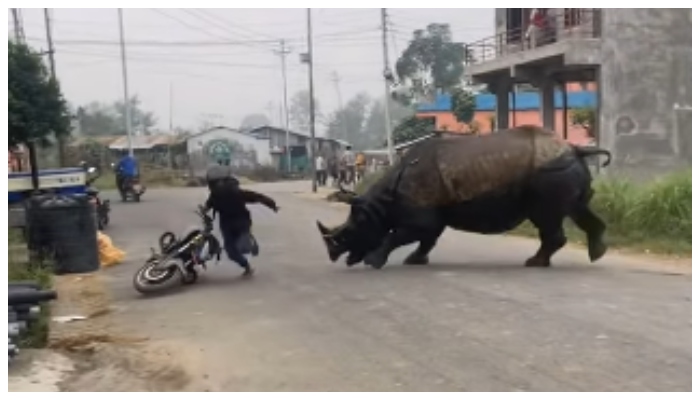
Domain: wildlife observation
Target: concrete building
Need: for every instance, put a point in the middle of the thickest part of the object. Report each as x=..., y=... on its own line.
x=639, y=60
x=524, y=110
x=300, y=144
x=228, y=145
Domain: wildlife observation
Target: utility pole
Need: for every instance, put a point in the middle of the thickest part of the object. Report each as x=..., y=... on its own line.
x=282, y=52
x=335, y=78
x=312, y=105
x=170, y=107
x=387, y=90
x=127, y=103
x=52, y=65
x=49, y=42
x=19, y=29
x=270, y=112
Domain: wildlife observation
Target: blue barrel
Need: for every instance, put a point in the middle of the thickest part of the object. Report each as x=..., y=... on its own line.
x=62, y=228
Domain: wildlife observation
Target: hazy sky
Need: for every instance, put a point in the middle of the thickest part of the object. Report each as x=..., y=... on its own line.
x=233, y=79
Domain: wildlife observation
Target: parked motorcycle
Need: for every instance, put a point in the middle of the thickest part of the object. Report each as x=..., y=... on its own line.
x=131, y=189
x=102, y=207
x=179, y=258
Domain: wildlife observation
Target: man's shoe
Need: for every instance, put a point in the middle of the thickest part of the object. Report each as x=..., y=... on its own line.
x=249, y=271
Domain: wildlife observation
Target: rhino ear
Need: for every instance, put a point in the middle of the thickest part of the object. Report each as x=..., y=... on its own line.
x=345, y=191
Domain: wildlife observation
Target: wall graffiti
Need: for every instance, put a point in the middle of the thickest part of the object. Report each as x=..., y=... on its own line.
x=230, y=152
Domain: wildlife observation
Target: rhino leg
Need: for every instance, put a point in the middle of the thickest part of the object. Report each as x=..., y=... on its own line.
x=420, y=255
x=397, y=238
x=594, y=228
x=551, y=240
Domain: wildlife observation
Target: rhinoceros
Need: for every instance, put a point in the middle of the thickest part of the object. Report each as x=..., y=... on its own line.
x=482, y=184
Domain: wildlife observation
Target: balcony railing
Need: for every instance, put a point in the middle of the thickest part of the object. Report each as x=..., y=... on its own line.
x=560, y=26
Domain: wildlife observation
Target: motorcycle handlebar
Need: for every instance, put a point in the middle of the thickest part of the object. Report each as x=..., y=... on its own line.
x=208, y=221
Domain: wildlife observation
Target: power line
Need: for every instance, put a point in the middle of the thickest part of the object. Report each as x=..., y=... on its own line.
x=212, y=19
x=187, y=24
x=227, y=24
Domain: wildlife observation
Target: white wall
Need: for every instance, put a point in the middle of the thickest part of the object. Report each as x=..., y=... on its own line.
x=200, y=160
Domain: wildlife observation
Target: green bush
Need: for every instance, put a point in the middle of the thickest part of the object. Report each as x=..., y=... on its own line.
x=19, y=269
x=660, y=210
x=656, y=216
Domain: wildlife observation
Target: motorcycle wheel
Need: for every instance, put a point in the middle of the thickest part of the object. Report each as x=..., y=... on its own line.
x=147, y=280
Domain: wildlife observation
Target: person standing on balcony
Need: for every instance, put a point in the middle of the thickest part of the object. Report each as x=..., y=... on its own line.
x=537, y=27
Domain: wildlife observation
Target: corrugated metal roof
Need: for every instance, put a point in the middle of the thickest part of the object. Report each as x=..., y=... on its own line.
x=143, y=142
x=103, y=140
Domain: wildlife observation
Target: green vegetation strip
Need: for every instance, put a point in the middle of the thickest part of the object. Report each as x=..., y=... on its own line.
x=20, y=269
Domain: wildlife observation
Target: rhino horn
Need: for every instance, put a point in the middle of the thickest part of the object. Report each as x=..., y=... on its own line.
x=334, y=250
x=324, y=231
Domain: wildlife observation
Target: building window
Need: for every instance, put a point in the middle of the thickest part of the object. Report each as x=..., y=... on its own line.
x=573, y=17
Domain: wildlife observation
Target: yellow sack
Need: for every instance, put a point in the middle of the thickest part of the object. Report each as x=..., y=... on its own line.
x=109, y=254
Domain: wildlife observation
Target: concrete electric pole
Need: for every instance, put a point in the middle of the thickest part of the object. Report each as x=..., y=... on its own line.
x=387, y=89
x=282, y=52
x=127, y=103
x=52, y=68
x=17, y=21
x=312, y=103
x=335, y=78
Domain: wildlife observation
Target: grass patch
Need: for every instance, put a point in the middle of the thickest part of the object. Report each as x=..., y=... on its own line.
x=19, y=269
x=151, y=177
x=654, y=217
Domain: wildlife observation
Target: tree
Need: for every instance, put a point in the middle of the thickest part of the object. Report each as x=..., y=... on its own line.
x=463, y=105
x=431, y=64
x=36, y=107
x=585, y=118
x=348, y=123
x=141, y=121
x=412, y=128
x=299, y=111
x=375, y=125
x=98, y=119
x=251, y=121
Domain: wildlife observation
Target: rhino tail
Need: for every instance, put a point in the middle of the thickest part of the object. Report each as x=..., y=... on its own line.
x=584, y=152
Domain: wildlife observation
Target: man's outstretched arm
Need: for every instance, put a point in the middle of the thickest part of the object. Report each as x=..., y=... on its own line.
x=254, y=197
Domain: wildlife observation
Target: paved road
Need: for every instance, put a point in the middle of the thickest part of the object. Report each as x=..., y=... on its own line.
x=474, y=320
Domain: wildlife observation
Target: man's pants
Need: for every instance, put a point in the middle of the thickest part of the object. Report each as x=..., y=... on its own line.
x=321, y=177
x=231, y=238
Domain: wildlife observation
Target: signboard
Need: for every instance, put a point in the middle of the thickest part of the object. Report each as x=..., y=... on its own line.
x=219, y=150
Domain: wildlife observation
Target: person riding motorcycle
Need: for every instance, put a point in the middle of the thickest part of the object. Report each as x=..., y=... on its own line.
x=126, y=171
x=228, y=200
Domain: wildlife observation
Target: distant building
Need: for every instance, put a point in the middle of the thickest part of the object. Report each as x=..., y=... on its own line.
x=300, y=144
x=524, y=110
x=228, y=146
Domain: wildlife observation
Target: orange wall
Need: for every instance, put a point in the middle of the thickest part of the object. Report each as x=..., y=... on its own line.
x=447, y=121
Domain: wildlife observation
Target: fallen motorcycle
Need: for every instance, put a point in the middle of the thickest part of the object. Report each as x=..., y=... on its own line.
x=178, y=258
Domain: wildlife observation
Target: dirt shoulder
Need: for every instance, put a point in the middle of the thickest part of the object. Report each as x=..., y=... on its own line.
x=93, y=354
